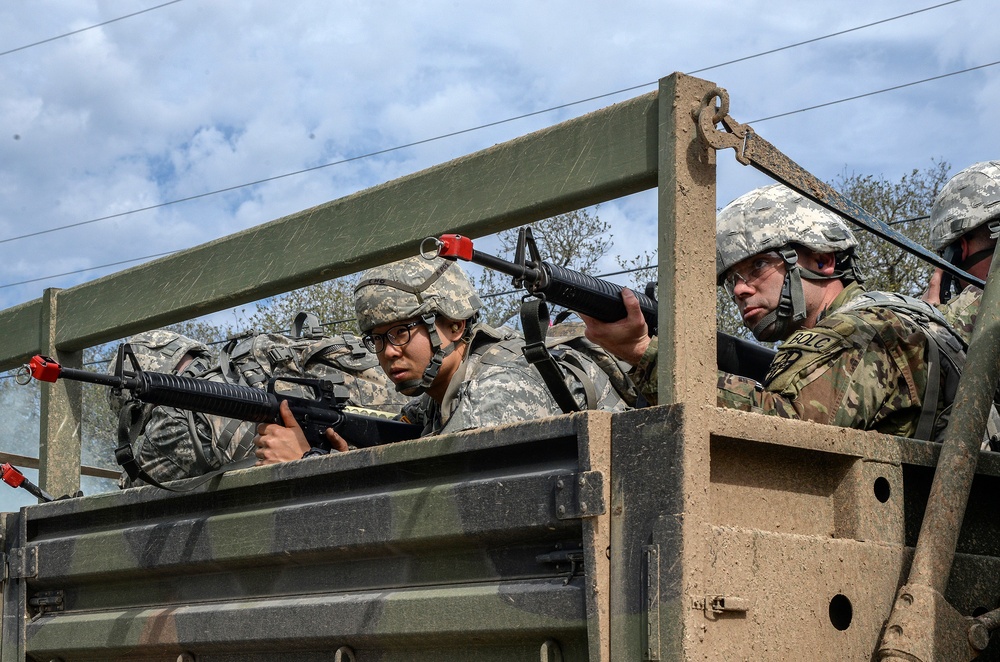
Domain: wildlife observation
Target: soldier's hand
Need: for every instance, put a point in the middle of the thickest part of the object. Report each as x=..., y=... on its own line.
x=280, y=442
x=933, y=293
x=627, y=338
x=337, y=442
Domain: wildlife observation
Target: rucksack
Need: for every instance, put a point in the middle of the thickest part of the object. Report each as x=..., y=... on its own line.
x=178, y=444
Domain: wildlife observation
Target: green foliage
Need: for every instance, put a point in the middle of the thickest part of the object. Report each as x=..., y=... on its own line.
x=887, y=267
x=331, y=301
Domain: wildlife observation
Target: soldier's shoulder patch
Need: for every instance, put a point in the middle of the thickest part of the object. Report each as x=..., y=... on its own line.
x=816, y=339
x=804, y=352
x=782, y=361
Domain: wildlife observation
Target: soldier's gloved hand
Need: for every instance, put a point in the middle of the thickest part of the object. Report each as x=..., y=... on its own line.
x=281, y=442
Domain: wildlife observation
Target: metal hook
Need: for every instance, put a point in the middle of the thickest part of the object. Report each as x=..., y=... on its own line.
x=709, y=115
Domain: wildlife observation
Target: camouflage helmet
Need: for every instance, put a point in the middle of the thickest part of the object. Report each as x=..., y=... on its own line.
x=772, y=217
x=969, y=199
x=159, y=351
x=414, y=287
x=776, y=218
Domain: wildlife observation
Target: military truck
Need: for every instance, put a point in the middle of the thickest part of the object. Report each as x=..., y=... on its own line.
x=677, y=532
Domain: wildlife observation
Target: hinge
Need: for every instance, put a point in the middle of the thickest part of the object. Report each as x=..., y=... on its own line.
x=580, y=495
x=651, y=554
x=22, y=563
x=719, y=604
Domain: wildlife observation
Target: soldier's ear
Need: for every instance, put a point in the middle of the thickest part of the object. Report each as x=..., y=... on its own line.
x=825, y=264
x=456, y=328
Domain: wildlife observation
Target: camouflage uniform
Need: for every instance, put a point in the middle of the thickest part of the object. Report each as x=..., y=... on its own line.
x=967, y=201
x=961, y=311
x=862, y=366
x=180, y=444
x=494, y=384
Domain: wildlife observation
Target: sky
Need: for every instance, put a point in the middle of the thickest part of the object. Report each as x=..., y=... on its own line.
x=197, y=96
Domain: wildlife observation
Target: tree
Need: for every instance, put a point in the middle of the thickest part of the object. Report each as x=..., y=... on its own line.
x=331, y=301
x=903, y=205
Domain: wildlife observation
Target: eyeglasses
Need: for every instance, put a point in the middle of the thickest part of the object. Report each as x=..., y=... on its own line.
x=754, y=270
x=397, y=336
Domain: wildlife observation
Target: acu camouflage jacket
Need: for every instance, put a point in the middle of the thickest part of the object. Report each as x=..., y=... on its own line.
x=859, y=368
x=496, y=385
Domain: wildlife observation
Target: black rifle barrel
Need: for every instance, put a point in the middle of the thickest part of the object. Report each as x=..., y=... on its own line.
x=216, y=398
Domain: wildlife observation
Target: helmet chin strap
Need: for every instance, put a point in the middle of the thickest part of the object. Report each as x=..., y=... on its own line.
x=791, y=304
x=420, y=386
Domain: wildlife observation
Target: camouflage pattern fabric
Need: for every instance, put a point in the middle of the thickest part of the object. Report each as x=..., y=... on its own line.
x=969, y=199
x=643, y=375
x=495, y=385
x=961, y=311
x=772, y=217
x=864, y=369
x=413, y=288
x=180, y=444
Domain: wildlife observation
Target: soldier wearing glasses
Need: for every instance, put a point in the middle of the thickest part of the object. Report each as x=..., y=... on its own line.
x=420, y=317
x=848, y=357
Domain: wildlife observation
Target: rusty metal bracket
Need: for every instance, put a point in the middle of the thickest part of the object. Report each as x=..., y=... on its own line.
x=580, y=495
x=720, y=604
x=753, y=150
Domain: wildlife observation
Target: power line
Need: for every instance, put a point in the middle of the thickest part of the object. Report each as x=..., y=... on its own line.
x=80, y=271
x=90, y=27
x=869, y=94
x=477, y=128
x=455, y=133
x=814, y=40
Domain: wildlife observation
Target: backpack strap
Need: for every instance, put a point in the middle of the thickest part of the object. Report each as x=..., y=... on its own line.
x=131, y=420
x=535, y=323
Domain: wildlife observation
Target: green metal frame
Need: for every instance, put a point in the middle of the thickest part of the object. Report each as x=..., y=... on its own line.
x=613, y=152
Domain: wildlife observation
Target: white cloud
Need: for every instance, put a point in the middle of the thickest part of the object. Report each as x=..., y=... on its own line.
x=200, y=96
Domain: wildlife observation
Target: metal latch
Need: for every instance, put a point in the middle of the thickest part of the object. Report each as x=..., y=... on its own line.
x=580, y=495
x=565, y=556
x=719, y=604
x=47, y=601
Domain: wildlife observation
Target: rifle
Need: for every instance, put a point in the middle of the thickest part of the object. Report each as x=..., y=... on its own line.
x=591, y=296
x=327, y=409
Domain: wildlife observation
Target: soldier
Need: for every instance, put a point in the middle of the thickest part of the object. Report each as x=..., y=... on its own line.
x=849, y=357
x=420, y=317
x=965, y=224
